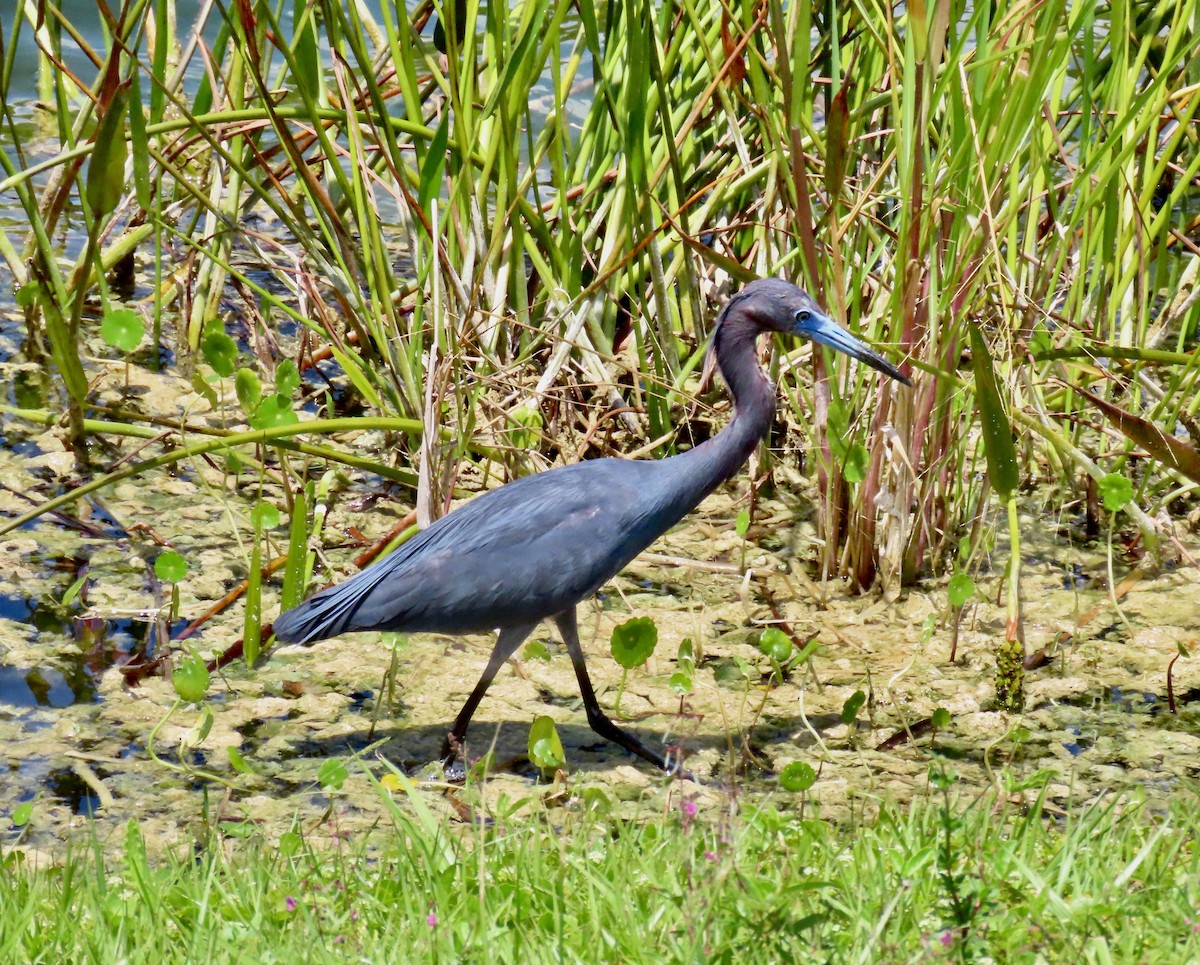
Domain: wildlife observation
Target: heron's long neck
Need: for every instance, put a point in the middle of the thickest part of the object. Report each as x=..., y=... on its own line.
x=711, y=463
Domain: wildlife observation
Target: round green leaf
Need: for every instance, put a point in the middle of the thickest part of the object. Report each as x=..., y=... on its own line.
x=742, y=525
x=21, y=814
x=854, y=464
x=686, y=657
x=190, y=678
x=393, y=639
x=237, y=829
x=265, y=516
x=287, y=378
x=249, y=390
x=170, y=567
x=220, y=351
x=27, y=294
x=681, y=682
x=545, y=746
x=332, y=775
x=203, y=389
x=633, y=642
x=852, y=706
x=275, y=410
x=941, y=718
x=529, y=423
x=1116, y=491
x=595, y=799
x=122, y=328
x=960, y=589
x=775, y=644
x=535, y=650
x=797, y=776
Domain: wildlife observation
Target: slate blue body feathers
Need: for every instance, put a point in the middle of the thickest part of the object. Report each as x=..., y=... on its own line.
x=500, y=559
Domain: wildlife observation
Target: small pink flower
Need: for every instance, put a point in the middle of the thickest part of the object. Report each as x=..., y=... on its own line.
x=690, y=808
x=432, y=920
x=290, y=902
x=947, y=939
x=710, y=856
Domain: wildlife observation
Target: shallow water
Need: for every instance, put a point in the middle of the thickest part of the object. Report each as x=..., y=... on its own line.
x=73, y=737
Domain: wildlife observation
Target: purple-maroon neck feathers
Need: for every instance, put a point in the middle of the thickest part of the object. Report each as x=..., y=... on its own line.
x=735, y=343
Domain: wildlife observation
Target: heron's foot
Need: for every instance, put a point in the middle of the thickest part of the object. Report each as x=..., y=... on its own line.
x=603, y=726
x=675, y=769
x=452, y=747
x=453, y=758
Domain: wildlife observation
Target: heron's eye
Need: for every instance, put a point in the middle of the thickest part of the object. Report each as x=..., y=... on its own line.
x=803, y=315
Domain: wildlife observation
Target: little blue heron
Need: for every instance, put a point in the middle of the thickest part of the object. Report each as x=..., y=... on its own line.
x=533, y=549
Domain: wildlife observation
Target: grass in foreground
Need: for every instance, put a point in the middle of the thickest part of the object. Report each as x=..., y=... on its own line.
x=946, y=880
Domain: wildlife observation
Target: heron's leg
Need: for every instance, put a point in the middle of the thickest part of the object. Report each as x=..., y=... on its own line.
x=596, y=718
x=506, y=643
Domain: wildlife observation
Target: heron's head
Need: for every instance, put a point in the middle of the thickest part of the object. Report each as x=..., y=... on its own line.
x=779, y=306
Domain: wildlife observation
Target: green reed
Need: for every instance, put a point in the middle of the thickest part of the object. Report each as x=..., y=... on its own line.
x=506, y=240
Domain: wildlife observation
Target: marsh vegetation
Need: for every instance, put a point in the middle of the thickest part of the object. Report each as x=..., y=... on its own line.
x=284, y=282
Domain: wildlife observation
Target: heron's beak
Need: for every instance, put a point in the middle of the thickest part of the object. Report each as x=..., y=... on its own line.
x=823, y=329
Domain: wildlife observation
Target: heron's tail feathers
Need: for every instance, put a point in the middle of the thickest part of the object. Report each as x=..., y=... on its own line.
x=331, y=612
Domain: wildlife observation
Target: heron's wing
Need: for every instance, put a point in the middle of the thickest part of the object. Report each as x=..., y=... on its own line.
x=336, y=609
x=523, y=551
